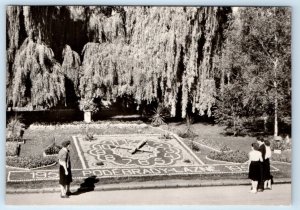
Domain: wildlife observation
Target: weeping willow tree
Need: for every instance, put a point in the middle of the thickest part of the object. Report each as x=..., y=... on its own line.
x=157, y=54
x=12, y=42
x=35, y=76
x=151, y=54
x=38, y=80
x=71, y=69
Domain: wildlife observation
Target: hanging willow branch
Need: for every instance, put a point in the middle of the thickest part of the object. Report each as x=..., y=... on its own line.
x=38, y=80
x=166, y=48
x=71, y=66
x=160, y=54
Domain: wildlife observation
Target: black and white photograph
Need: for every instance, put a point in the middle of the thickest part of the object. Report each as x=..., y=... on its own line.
x=148, y=105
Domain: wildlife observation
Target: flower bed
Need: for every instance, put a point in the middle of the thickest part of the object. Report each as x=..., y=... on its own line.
x=285, y=156
x=12, y=149
x=17, y=139
x=231, y=156
x=30, y=162
x=52, y=150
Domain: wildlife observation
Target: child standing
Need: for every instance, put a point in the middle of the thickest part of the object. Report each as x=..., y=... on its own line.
x=255, y=161
x=268, y=176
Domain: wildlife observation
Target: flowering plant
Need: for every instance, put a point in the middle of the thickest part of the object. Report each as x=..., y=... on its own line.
x=52, y=149
x=33, y=161
x=88, y=105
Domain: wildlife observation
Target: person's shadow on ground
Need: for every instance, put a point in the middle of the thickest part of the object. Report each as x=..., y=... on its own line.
x=87, y=186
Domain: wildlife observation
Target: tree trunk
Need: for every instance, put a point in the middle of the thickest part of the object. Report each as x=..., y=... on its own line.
x=276, y=116
x=275, y=99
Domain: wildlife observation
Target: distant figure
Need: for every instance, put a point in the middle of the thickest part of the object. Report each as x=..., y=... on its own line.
x=267, y=168
x=262, y=149
x=255, y=161
x=65, y=174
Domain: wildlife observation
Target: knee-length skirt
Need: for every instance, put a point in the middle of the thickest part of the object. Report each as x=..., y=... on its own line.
x=255, y=171
x=63, y=178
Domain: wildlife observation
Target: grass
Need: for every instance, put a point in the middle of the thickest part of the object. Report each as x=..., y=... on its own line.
x=39, y=137
x=213, y=135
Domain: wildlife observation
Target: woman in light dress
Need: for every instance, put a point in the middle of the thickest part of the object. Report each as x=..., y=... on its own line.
x=255, y=166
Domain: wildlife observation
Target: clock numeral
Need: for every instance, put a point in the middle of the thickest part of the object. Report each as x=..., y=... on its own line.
x=109, y=157
x=127, y=161
x=159, y=161
x=100, y=152
x=106, y=146
x=171, y=155
x=144, y=162
x=170, y=150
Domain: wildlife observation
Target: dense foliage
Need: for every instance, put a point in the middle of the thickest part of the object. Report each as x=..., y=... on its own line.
x=231, y=156
x=212, y=61
x=256, y=78
x=12, y=149
x=52, y=149
x=162, y=54
x=30, y=161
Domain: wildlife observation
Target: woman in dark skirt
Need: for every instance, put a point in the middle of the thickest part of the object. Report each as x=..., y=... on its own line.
x=255, y=166
x=267, y=169
x=65, y=174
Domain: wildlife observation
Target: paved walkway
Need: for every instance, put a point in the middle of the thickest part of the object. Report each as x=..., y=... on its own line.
x=154, y=184
x=213, y=195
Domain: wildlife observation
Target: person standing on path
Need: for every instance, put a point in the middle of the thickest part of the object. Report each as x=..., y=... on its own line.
x=255, y=161
x=65, y=174
x=262, y=149
x=267, y=168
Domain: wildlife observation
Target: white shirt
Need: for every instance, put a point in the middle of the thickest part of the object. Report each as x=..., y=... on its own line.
x=255, y=156
x=268, y=152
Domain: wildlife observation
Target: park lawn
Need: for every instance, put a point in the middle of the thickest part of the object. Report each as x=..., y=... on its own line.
x=213, y=135
x=39, y=137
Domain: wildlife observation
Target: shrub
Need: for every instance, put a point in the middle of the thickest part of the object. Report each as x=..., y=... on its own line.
x=15, y=139
x=165, y=136
x=12, y=149
x=236, y=156
x=187, y=161
x=33, y=161
x=53, y=149
x=189, y=133
x=225, y=148
x=158, y=117
x=280, y=145
x=89, y=137
x=15, y=128
x=194, y=146
x=88, y=105
x=283, y=157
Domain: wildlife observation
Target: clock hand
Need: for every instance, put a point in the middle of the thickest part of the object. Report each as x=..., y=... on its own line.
x=142, y=150
x=128, y=148
x=140, y=145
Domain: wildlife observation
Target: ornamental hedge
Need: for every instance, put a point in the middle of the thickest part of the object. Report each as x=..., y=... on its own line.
x=12, y=149
x=53, y=149
x=30, y=162
x=235, y=156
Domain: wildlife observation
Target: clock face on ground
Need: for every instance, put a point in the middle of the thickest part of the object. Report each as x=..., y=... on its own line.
x=133, y=150
x=121, y=152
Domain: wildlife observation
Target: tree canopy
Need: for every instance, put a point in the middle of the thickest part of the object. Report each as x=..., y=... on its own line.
x=191, y=60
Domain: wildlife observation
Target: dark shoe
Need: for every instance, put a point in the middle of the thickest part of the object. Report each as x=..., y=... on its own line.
x=64, y=196
x=68, y=193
